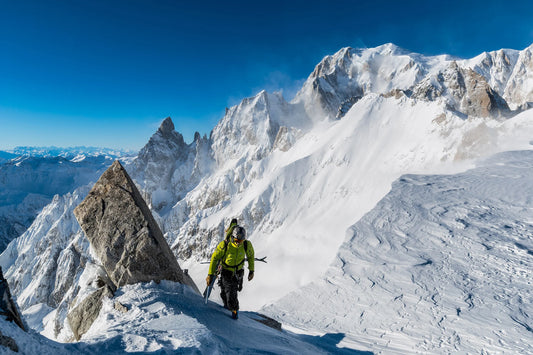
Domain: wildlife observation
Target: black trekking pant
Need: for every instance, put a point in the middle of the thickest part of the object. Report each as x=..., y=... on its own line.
x=230, y=283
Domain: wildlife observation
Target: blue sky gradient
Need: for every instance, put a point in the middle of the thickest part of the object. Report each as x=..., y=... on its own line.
x=106, y=73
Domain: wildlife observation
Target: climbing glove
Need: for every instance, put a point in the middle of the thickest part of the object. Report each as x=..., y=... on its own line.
x=208, y=279
x=250, y=275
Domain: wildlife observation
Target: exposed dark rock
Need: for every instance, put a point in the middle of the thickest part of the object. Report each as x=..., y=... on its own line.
x=272, y=323
x=8, y=342
x=8, y=307
x=466, y=92
x=124, y=234
x=346, y=105
x=396, y=93
x=69, y=262
x=120, y=307
x=82, y=317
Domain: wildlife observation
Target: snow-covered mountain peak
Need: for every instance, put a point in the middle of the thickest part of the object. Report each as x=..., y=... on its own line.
x=508, y=72
x=387, y=49
x=250, y=129
x=166, y=167
x=164, y=136
x=66, y=152
x=340, y=80
x=462, y=90
x=167, y=130
x=519, y=89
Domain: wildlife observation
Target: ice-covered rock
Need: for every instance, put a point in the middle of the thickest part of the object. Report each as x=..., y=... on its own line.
x=340, y=80
x=519, y=89
x=249, y=129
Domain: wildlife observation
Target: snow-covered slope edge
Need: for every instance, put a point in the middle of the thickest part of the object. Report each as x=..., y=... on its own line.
x=442, y=264
x=171, y=318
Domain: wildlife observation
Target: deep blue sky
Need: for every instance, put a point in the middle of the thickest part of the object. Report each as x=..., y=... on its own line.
x=106, y=73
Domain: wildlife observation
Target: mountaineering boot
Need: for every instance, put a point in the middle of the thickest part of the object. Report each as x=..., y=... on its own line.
x=234, y=314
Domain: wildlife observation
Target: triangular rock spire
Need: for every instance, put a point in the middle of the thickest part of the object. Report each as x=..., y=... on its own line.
x=124, y=234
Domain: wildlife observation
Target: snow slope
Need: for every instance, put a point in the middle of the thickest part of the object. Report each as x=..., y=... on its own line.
x=442, y=264
x=170, y=318
x=339, y=171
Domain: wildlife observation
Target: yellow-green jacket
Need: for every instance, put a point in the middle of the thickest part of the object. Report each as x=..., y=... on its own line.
x=233, y=257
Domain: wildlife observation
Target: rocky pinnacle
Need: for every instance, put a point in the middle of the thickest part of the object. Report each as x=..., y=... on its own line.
x=124, y=234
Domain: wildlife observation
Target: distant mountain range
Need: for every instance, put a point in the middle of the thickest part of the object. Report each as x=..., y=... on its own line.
x=310, y=180
x=31, y=176
x=68, y=152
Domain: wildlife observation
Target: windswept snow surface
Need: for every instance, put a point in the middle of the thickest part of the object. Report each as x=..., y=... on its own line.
x=170, y=318
x=442, y=264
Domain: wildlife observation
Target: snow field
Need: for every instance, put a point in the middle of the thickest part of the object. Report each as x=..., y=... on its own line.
x=441, y=264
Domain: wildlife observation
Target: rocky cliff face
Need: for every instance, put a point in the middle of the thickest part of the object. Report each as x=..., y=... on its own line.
x=497, y=67
x=464, y=91
x=8, y=308
x=519, y=88
x=10, y=311
x=252, y=127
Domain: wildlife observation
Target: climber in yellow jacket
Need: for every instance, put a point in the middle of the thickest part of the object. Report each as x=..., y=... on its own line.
x=231, y=254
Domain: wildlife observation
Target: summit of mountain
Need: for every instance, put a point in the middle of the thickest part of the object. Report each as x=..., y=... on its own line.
x=340, y=80
x=166, y=168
